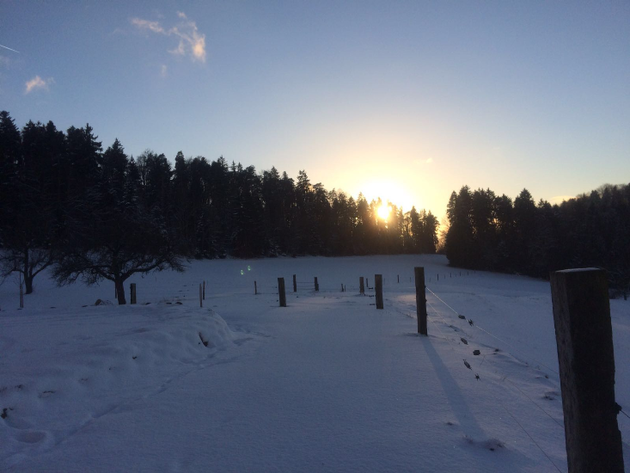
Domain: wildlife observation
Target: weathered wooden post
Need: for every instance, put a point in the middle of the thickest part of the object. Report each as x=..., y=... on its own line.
x=255, y=289
x=361, y=286
x=421, y=300
x=581, y=315
x=294, y=283
x=398, y=277
x=281, y=293
x=204, y=290
x=316, y=285
x=200, y=296
x=378, y=284
x=132, y=292
x=341, y=287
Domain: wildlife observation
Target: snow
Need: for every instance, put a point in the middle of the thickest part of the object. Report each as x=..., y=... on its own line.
x=328, y=383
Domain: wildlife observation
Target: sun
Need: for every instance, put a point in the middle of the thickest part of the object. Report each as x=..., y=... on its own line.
x=383, y=211
x=389, y=190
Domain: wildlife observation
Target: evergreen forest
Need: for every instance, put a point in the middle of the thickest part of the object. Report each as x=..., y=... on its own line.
x=101, y=214
x=491, y=232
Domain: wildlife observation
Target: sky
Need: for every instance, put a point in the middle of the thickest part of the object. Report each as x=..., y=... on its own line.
x=408, y=101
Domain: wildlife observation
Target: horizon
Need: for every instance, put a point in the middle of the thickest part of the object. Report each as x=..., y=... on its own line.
x=407, y=102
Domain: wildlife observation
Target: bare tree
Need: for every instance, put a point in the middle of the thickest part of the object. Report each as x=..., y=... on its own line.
x=27, y=261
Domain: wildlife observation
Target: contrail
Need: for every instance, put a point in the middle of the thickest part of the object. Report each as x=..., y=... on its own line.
x=6, y=47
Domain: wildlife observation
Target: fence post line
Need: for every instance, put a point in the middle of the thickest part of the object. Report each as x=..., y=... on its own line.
x=581, y=315
x=361, y=286
x=316, y=285
x=294, y=283
x=281, y=293
x=132, y=292
x=421, y=300
x=378, y=284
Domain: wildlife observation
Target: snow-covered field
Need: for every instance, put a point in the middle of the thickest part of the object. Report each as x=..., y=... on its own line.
x=328, y=383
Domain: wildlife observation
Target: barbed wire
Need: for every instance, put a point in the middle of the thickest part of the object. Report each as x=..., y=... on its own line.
x=512, y=384
x=531, y=438
x=473, y=324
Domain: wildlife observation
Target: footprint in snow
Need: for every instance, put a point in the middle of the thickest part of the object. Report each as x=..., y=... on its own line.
x=31, y=436
x=551, y=395
x=490, y=444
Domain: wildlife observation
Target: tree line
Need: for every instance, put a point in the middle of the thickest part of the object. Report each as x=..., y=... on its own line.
x=494, y=233
x=94, y=214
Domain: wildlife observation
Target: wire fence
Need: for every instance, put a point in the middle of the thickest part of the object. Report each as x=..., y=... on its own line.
x=435, y=319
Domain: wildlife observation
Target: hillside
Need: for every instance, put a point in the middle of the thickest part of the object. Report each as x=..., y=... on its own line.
x=326, y=384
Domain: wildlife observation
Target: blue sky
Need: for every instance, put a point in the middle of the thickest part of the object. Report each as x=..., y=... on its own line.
x=406, y=100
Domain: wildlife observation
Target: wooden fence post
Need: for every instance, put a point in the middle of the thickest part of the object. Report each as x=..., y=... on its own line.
x=294, y=283
x=361, y=286
x=316, y=285
x=398, y=277
x=200, y=296
x=378, y=284
x=281, y=293
x=255, y=289
x=132, y=292
x=581, y=315
x=421, y=300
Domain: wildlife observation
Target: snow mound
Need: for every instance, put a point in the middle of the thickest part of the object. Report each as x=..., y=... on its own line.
x=63, y=369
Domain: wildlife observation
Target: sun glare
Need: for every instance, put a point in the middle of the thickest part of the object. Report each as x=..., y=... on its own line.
x=389, y=191
x=383, y=212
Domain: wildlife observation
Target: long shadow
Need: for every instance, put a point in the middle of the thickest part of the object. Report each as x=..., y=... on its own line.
x=454, y=395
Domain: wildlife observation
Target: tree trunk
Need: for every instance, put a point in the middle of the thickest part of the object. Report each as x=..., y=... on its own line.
x=120, y=290
x=28, y=284
x=28, y=279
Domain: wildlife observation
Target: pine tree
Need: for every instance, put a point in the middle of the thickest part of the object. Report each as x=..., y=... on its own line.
x=28, y=219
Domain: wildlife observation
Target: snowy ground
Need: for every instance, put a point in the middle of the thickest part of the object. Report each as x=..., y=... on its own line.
x=327, y=384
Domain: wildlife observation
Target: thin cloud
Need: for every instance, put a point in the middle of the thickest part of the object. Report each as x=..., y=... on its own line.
x=10, y=49
x=191, y=43
x=148, y=25
x=37, y=83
